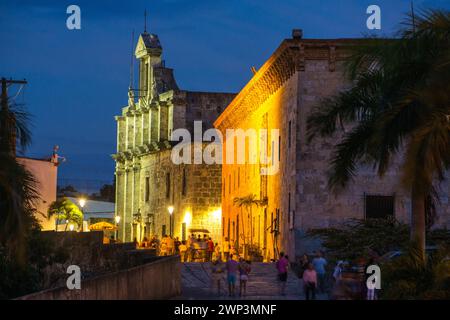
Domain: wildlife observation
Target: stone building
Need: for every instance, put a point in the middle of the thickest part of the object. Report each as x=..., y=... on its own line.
x=295, y=198
x=147, y=181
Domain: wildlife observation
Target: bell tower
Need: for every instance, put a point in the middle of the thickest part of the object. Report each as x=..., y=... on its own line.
x=148, y=52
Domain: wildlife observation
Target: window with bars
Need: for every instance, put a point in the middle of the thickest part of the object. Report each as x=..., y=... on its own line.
x=183, y=183
x=147, y=189
x=378, y=206
x=167, y=185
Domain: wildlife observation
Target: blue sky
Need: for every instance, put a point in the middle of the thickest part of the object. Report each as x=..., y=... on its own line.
x=78, y=79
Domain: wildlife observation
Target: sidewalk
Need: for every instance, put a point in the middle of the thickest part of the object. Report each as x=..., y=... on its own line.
x=262, y=284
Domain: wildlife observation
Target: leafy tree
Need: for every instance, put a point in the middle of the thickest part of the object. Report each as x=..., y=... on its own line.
x=248, y=202
x=398, y=105
x=108, y=192
x=65, y=210
x=356, y=238
x=18, y=187
x=411, y=277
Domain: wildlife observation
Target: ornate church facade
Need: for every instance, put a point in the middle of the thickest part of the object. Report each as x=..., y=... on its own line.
x=154, y=196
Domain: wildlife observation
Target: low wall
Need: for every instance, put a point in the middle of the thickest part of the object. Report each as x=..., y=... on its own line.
x=160, y=279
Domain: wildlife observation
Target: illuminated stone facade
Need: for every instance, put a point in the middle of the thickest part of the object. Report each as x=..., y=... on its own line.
x=280, y=96
x=147, y=181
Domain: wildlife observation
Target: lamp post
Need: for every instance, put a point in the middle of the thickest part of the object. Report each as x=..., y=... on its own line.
x=117, y=220
x=82, y=202
x=170, y=209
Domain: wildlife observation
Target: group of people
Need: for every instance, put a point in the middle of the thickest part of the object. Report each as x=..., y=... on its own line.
x=235, y=270
x=196, y=248
x=313, y=274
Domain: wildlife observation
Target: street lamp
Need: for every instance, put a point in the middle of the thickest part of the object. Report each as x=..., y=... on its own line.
x=170, y=209
x=117, y=220
x=82, y=202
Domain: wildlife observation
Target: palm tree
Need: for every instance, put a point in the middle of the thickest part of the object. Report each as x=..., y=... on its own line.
x=398, y=105
x=18, y=187
x=65, y=210
x=248, y=202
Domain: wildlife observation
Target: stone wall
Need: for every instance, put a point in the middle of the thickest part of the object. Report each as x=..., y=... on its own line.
x=160, y=279
x=87, y=250
x=281, y=96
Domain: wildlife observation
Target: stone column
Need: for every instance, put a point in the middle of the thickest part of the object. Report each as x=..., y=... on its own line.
x=126, y=132
x=134, y=130
x=170, y=121
x=120, y=142
x=129, y=206
x=137, y=193
x=124, y=203
x=149, y=129
x=154, y=123
x=143, y=127
x=163, y=122
x=119, y=199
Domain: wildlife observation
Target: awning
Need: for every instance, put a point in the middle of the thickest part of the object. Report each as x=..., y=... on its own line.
x=102, y=226
x=198, y=230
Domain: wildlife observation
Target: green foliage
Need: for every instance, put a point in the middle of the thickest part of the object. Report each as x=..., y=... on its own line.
x=18, y=187
x=412, y=277
x=17, y=279
x=355, y=238
x=66, y=210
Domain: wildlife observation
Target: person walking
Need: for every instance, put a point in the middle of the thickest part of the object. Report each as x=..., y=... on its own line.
x=163, y=246
x=232, y=269
x=244, y=271
x=319, y=264
x=217, y=271
x=210, y=249
x=337, y=273
x=177, y=243
x=310, y=282
x=226, y=249
x=170, y=243
x=183, y=249
x=192, y=248
x=217, y=252
x=282, y=267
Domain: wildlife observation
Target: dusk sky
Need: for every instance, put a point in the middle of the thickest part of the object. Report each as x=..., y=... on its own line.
x=78, y=79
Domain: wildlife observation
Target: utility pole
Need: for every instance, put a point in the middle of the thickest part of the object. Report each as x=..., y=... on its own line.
x=7, y=142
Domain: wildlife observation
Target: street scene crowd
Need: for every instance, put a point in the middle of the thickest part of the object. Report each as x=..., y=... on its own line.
x=229, y=270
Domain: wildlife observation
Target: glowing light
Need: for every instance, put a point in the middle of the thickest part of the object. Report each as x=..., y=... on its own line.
x=71, y=227
x=217, y=214
x=187, y=218
x=117, y=219
x=170, y=209
x=82, y=202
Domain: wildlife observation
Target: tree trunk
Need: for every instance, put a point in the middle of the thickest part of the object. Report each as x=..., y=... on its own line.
x=418, y=219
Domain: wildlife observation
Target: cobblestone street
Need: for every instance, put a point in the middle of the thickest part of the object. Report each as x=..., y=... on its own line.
x=262, y=285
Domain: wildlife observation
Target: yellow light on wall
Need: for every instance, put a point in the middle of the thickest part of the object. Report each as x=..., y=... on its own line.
x=217, y=214
x=187, y=218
